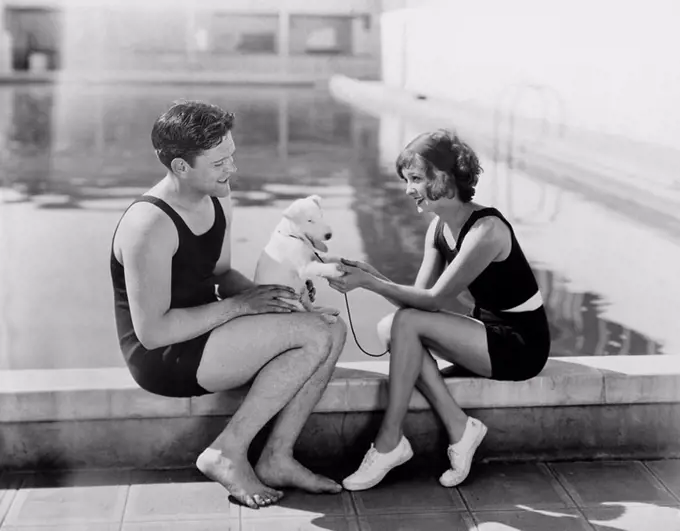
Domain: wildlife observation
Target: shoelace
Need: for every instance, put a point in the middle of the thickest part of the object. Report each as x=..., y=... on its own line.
x=453, y=455
x=370, y=457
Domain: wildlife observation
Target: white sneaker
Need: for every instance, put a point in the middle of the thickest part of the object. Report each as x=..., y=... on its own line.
x=375, y=466
x=461, y=453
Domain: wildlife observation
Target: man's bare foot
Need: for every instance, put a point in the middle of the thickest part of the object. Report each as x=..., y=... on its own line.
x=284, y=471
x=237, y=476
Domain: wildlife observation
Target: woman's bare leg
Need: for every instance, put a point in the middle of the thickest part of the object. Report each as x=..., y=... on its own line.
x=281, y=352
x=433, y=387
x=460, y=339
x=277, y=466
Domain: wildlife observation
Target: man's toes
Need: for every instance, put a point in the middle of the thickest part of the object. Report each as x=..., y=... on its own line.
x=250, y=502
x=274, y=494
x=269, y=499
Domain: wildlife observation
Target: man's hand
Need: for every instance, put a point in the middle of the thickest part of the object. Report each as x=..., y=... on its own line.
x=267, y=298
x=311, y=290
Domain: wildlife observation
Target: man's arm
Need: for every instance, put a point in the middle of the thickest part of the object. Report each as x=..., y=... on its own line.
x=229, y=281
x=148, y=242
x=232, y=282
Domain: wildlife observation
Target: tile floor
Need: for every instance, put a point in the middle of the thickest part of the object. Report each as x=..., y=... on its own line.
x=573, y=496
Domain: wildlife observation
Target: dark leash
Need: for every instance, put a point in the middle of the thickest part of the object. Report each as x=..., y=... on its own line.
x=351, y=324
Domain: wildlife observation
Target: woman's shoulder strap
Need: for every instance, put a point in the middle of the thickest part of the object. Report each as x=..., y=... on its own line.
x=476, y=216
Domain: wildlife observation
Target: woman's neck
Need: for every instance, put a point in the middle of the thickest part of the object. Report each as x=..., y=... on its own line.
x=455, y=213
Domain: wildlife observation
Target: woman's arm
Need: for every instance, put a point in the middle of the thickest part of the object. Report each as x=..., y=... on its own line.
x=367, y=268
x=484, y=242
x=432, y=264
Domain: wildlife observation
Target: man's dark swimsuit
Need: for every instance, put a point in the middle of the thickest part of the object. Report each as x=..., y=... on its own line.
x=171, y=370
x=518, y=342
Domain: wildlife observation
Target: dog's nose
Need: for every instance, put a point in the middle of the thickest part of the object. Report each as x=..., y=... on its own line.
x=328, y=235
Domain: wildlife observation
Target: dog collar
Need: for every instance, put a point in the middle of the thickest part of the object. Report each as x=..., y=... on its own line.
x=307, y=242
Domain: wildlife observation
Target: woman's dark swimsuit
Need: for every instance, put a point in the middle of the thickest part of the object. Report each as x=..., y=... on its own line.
x=171, y=370
x=518, y=342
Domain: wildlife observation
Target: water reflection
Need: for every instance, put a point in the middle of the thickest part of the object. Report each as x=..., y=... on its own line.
x=579, y=319
x=74, y=158
x=393, y=234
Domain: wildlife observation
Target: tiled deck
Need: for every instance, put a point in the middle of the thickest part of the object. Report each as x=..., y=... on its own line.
x=565, y=496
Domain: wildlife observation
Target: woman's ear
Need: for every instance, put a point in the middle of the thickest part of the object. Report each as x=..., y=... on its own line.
x=441, y=186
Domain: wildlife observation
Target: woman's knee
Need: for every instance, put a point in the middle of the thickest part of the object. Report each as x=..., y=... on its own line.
x=384, y=329
x=404, y=320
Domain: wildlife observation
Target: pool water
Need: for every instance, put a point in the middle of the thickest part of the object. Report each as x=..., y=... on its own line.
x=72, y=158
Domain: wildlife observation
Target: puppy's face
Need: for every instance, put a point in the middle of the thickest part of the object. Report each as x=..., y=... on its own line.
x=307, y=217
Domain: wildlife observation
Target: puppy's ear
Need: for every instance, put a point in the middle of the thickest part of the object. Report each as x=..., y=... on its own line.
x=293, y=210
x=316, y=199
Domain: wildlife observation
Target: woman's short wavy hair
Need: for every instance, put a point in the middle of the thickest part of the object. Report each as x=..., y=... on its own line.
x=442, y=150
x=188, y=129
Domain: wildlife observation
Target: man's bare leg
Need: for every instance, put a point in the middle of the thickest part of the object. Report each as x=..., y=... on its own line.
x=283, y=359
x=277, y=467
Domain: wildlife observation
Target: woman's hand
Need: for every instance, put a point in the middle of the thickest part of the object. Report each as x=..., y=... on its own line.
x=368, y=268
x=354, y=276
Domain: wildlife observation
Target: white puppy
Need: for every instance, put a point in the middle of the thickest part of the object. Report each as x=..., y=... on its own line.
x=296, y=252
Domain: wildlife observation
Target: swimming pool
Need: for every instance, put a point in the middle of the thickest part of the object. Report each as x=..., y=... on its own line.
x=74, y=157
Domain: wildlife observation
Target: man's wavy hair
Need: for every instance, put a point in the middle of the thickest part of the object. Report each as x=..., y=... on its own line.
x=188, y=129
x=458, y=165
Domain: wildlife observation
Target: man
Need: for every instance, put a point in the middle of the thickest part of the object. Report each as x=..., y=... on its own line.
x=170, y=249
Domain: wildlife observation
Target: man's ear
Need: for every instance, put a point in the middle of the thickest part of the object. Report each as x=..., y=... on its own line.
x=179, y=165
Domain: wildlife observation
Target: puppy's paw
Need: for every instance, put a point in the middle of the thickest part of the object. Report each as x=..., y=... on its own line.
x=326, y=310
x=332, y=271
x=329, y=318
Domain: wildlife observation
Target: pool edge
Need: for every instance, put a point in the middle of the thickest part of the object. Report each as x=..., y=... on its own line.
x=578, y=407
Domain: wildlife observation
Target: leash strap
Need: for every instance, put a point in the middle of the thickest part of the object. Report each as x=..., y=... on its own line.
x=351, y=324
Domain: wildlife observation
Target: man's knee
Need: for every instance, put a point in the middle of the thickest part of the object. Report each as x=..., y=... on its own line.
x=319, y=336
x=339, y=331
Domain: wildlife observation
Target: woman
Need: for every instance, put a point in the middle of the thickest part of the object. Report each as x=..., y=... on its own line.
x=505, y=338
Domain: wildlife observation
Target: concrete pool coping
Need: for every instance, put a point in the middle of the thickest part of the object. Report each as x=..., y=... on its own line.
x=104, y=77
x=578, y=407
x=111, y=393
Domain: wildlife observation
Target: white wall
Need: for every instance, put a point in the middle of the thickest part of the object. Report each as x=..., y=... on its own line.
x=247, y=6
x=613, y=62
